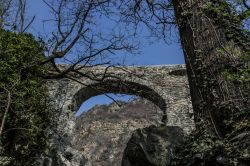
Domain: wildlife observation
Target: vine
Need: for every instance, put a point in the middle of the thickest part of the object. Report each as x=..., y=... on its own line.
x=203, y=147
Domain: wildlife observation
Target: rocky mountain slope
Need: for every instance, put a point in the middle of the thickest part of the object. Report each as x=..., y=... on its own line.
x=103, y=132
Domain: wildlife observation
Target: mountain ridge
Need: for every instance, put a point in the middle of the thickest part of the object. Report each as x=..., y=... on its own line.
x=103, y=132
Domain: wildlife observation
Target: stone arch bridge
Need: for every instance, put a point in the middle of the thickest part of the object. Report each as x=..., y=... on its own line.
x=166, y=86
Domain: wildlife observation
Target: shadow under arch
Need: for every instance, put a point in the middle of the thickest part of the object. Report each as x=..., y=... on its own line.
x=118, y=86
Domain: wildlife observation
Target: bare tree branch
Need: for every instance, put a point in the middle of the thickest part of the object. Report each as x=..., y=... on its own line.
x=246, y=4
x=8, y=101
x=5, y=6
x=76, y=30
x=13, y=15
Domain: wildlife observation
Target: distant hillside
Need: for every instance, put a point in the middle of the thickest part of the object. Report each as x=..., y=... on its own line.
x=103, y=131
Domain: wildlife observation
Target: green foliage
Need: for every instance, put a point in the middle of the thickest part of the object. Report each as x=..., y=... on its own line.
x=24, y=137
x=226, y=16
x=204, y=148
x=237, y=69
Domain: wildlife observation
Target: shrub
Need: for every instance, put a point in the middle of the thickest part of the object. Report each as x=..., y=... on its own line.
x=23, y=137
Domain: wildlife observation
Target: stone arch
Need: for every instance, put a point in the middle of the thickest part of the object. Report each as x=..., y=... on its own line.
x=166, y=86
x=118, y=86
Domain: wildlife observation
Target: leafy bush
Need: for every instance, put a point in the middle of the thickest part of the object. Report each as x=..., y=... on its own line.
x=23, y=137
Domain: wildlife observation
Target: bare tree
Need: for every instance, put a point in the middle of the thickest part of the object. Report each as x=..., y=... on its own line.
x=4, y=11
x=6, y=103
x=13, y=15
x=209, y=51
x=77, y=40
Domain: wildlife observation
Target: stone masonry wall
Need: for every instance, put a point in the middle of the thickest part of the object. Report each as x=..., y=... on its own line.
x=169, y=81
x=166, y=86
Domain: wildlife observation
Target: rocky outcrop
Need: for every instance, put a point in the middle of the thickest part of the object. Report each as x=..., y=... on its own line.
x=152, y=146
x=61, y=153
x=103, y=132
x=66, y=157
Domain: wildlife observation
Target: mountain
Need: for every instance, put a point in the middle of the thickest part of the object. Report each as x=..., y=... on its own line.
x=103, y=132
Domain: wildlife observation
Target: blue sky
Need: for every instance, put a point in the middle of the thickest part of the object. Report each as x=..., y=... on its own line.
x=151, y=53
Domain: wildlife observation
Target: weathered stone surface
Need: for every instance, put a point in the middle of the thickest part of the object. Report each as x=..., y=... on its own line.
x=62, y=153
x=166, y=86
x=66, y=157
x=152, y=146
x=103, y=132
x=159, y=84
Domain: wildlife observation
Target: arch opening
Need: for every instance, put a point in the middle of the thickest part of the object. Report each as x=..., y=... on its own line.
x=118, y=87
x=104, y=99
x=103, y=131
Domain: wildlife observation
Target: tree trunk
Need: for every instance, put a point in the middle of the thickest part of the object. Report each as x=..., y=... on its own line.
x=208, y=54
